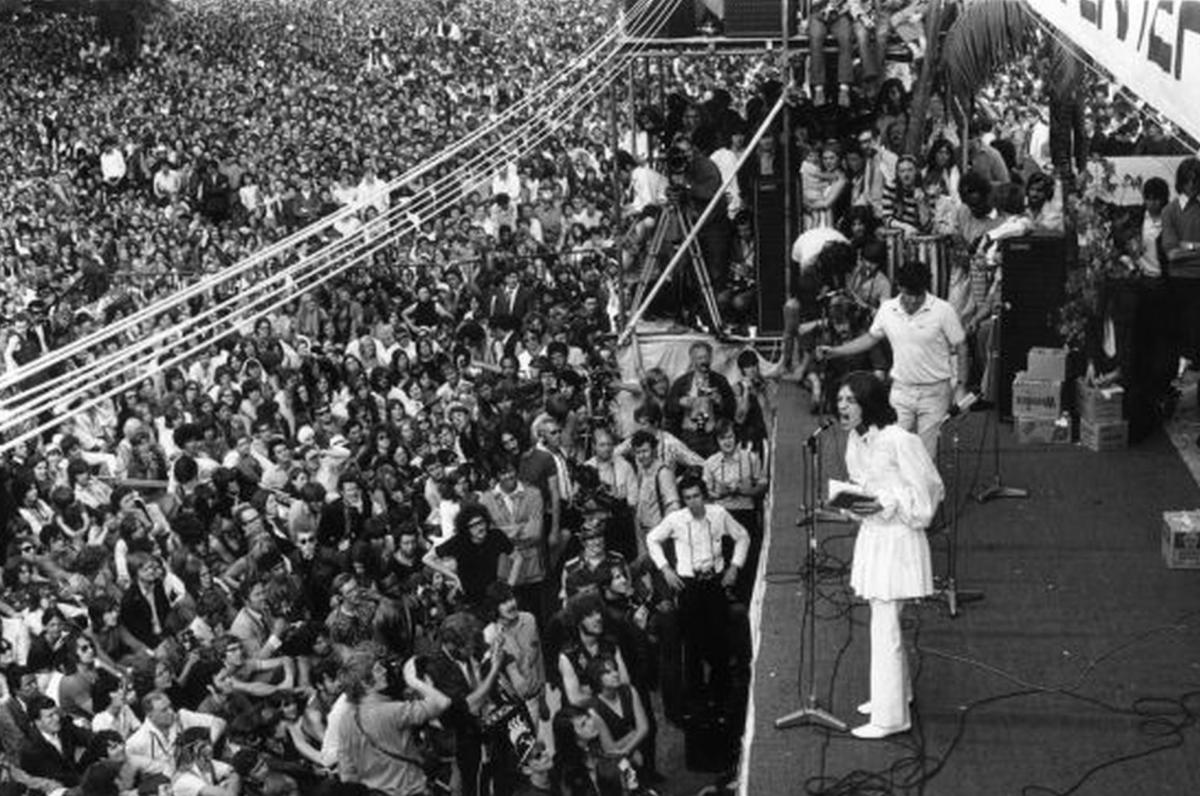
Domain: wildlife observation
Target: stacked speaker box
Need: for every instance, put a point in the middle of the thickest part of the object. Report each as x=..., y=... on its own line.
x=680, y=24
x=1033, y=291
x=758, y=18
x=771, y=249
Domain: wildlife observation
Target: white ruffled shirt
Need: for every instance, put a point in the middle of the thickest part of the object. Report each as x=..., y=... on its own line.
x=891, y=553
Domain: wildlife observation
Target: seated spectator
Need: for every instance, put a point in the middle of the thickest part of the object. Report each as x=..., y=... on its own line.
x=54, y=748
x=150, y=746
x=196, y=773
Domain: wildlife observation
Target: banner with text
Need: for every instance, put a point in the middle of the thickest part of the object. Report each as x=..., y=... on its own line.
x=1150, y=46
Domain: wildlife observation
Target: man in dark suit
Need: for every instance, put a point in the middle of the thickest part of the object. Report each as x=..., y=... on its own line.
x=511, y=298
x=15, y=725
x=54, y=749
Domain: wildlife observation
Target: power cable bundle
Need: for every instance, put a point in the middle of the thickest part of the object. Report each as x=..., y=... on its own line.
x=70, y=392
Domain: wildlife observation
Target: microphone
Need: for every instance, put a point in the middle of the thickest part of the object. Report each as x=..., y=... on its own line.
x=819, y=430
x=965, y=403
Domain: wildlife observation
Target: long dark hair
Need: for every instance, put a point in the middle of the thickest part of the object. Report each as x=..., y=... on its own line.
x=570, y=761
x=872, y=396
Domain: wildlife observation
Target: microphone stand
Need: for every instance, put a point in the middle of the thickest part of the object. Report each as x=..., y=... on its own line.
x=812, y=712
x=949, y=591
x=997, y=490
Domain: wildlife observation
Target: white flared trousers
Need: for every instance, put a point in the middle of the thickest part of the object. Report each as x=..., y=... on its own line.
x=891, y=688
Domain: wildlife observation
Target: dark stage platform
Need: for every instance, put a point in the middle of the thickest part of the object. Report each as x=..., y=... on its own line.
x=1080, y=668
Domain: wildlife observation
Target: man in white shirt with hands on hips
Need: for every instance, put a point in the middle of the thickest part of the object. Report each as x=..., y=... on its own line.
x=929, y=354
x=703, y=583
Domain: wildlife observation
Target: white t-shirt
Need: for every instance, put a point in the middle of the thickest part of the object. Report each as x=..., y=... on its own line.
x=921, y=342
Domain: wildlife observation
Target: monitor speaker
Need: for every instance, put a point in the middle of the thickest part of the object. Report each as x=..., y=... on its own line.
x=1034, y=291
x=771, y=250
x=758, y=18
x=679, y=24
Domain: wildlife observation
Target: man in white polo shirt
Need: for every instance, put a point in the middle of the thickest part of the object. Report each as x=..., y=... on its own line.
x=928, y=353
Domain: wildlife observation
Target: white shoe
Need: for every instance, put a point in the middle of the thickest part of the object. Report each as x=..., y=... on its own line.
x=873, y=732
x=865, y=708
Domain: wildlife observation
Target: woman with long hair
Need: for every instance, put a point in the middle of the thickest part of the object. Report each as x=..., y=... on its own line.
x=581, y=768
x=896, y=489
x=942, y=161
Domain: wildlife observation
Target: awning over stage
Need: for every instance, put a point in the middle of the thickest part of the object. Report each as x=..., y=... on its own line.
x=1153, y=48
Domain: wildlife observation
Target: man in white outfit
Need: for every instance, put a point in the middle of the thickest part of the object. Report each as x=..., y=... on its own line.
x=929, y=364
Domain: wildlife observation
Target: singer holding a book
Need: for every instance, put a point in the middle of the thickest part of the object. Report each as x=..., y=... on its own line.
x=895, y=489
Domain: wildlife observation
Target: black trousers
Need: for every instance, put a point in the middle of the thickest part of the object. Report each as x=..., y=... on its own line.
x=704, y=626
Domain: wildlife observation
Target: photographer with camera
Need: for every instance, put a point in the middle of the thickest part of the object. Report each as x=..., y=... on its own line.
x=693, y=180
x=698, y=399
x=377, y=745
x=457, y=670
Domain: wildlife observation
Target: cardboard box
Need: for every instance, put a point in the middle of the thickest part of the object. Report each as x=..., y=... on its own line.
x=1099, y=405
x=1036, y=398
x=1036, y=431
x=1046, y=364
x=1181, y=539
x=1104, y=436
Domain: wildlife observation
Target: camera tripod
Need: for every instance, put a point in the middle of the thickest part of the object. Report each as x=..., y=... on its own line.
x=674, y=212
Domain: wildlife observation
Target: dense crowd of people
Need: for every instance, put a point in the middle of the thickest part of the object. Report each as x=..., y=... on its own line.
x=414, y=532
x=389, y=536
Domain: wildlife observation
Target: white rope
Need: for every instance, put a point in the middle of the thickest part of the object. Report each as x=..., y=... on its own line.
x=324, y=259
x=157, y=308
x=591, y=83
x=154, y=368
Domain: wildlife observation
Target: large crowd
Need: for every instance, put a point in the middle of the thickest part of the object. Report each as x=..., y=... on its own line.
x=397, y=536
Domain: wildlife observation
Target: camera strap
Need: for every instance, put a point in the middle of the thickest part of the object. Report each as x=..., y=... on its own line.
x=412, y=761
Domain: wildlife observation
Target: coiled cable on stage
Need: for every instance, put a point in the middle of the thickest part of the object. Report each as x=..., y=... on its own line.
x=1162, y=718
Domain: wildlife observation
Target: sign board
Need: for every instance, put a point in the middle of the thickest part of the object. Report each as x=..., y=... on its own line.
x=1150, y=46
x=1123, y=185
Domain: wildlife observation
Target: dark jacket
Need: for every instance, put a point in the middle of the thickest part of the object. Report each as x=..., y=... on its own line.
x=137, y=618
x=41, y=759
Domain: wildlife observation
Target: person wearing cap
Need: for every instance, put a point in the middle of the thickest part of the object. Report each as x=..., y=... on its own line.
x=586, y=571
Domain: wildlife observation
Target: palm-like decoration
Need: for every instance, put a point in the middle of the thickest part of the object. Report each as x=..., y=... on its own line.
x=988, y=34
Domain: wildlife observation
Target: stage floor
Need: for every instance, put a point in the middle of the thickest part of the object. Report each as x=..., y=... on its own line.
x=1083, y=634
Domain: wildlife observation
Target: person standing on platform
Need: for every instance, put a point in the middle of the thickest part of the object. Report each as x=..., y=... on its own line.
x=1181, y=245
x=703, y=582
x=891, y=467
x=928, y=353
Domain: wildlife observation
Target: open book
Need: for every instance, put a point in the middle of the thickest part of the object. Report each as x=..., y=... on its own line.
x=845, y=495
